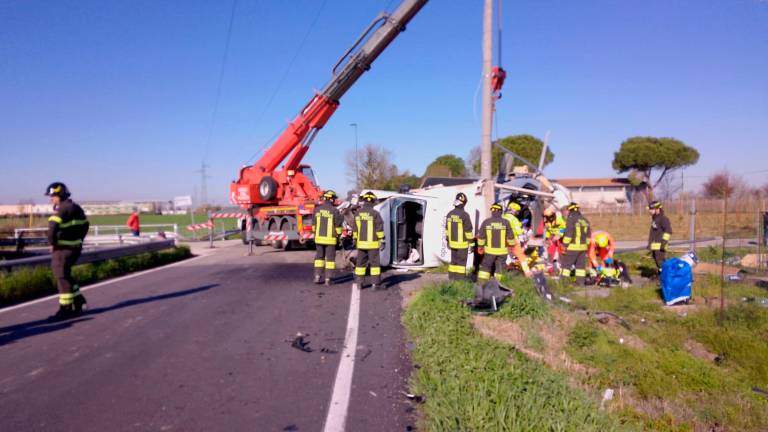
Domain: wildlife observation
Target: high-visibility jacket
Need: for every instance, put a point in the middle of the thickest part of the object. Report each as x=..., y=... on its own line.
x=327, y=224
x=660, y=233
x=594, y=249
x=577, y=232
x=68, y=227
x=554, y=227
x=458, y=229
x=369, y=228
x=514, y=222
x=495, y=236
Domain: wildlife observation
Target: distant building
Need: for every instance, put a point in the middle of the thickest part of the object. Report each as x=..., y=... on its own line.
x=601, y=193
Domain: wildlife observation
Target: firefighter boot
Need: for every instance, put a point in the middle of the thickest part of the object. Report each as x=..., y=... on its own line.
x=80, y=304
x=64, y=313
x=318, y=279
x=328, y=281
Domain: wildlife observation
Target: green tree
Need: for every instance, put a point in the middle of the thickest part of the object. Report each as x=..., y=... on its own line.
x=446, y=166
x=376, y=170
x=526, y=146
x=642, y=155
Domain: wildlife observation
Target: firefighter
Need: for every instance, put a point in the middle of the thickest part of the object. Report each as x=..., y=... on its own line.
x=600, y=252
x=494, y=241
x=576, y=241
x=554, y=227
x=660, y=233
x=459, y=236
x=513, y=210
x=327, y=229
x=66, y=231
x=369, y=236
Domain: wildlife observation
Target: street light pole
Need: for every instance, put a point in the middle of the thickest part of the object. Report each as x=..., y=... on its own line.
x=357, y=163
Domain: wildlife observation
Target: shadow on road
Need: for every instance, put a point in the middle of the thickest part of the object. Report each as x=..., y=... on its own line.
x=397, y=278
x=28, y=329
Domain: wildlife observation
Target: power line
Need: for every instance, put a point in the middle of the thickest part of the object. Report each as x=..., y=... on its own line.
x=221, y=79
x=287, y=71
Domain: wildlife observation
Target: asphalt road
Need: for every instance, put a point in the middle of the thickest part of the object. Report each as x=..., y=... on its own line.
x=205, y=345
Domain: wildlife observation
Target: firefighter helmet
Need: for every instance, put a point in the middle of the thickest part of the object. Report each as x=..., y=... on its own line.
x=654, y=205
x=513, y=207
x=549, y=212
x=461, y=199
x=496, y=208
x=330, y=195
x=573, y=207
x=601, y=239
x=58, y=189
x=368, y=197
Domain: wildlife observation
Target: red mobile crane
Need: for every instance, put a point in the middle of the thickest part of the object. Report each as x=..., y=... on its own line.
x=280, y=202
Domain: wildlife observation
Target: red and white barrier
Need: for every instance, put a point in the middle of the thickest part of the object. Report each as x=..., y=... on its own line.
x=195, y=227
x=275, y=236
x=226, y=215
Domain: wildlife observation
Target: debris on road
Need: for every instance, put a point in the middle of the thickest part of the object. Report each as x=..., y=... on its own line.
x=300, y=343
x=413, y=397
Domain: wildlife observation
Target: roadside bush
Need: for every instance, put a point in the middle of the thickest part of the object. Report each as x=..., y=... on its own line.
x=34, y=282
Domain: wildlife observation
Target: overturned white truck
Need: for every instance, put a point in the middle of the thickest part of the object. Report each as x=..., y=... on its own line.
x=414, y=222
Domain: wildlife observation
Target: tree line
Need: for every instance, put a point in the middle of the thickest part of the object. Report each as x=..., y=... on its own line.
x=649, y=163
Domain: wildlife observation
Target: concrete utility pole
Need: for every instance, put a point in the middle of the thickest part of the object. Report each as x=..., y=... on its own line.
x=485, y=144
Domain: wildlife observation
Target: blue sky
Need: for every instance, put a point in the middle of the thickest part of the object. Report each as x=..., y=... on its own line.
x=117, y=98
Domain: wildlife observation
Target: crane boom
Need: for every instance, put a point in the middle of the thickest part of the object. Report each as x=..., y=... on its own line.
x=262, y=183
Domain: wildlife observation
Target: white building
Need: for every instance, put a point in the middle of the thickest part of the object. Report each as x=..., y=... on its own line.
x=601, y=193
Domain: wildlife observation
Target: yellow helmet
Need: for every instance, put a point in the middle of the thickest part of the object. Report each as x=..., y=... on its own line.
x=654, y=205
x=329, y=195
x=513, y=207
x=496, y=208
x=601, y=239
x=573, y=207
x=368, y=197
x=549, y=212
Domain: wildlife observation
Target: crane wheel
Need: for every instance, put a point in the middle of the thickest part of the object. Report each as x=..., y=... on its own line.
x=267, y=188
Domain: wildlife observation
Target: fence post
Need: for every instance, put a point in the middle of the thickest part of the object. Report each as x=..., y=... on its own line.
x=760, y=241
x=176, y=230
x=210, y=229
x=692, y=224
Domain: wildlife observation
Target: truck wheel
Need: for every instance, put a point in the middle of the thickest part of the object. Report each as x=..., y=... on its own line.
x=277, y=244
x=244, y=236
x=285, y=226
x=267, y=188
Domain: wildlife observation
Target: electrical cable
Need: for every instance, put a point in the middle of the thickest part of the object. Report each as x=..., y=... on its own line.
x=221, y=80
x=285, y=74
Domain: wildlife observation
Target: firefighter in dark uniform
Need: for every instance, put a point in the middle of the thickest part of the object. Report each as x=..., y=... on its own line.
x=660, y=233
x=66, y=231
x=369, y=237
x=576, y=242
x=459, y=236
x=495, y=240
x=327, y=230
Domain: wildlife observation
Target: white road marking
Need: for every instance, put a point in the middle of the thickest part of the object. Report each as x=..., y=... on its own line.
x=342, y=387
x=107, y=282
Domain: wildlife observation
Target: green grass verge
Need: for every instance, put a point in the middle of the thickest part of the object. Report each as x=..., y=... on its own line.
x=475, y=384
x=34, y=282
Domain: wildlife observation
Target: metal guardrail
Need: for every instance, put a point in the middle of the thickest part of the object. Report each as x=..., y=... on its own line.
x=93, y=255
x=672, y=243
x=101, y=229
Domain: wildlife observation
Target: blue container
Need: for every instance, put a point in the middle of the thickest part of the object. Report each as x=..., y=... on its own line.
x=676, y=281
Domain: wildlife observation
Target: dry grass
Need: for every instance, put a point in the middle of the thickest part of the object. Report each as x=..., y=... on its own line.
x=635, y=226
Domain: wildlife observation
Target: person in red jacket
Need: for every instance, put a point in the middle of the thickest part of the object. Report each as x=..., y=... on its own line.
x=133, y=223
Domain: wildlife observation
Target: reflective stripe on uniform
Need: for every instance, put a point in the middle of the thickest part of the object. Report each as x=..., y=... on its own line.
x=576, y=247
x=319, y=263
x=565, y=272
x=66, y=299
x=496, y=241
x=483, y=275
x=69, y=242
x=666, y=236
x=455, y=268
x=375, y=271
x=581, y=273
x=54, y=219
x=330, y=265
x=73, y=222
x=359, y=271
x=655, y=246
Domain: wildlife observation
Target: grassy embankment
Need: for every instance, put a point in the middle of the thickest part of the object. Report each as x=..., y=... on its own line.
x=34, y=282
x=535, y=366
